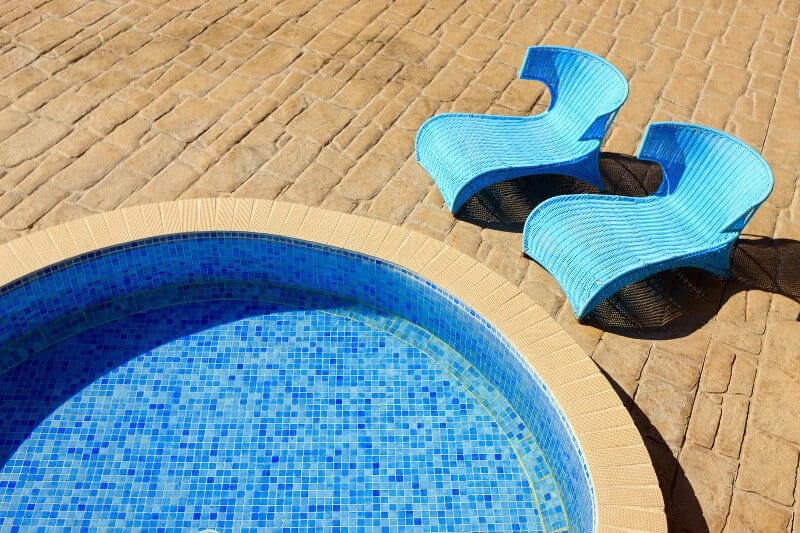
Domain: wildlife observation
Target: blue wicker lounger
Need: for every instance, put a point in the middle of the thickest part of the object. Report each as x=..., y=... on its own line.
x=593, y=245
x=464, y=153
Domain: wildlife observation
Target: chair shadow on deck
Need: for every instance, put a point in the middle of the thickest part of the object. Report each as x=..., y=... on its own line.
x=669, y=304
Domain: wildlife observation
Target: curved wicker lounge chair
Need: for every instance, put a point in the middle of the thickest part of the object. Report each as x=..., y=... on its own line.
x=593, y=245
x=464, y=153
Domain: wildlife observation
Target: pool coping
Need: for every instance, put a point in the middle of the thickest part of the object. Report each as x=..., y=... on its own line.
x=626, y=488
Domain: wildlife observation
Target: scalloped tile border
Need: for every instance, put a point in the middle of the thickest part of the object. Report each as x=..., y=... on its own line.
x=626, y=488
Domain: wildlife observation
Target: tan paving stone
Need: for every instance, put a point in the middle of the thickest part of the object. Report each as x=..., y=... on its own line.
x=448, y=84
x=231, y=90
x=189, y=119
x=155, y=53
x=90, y=13
x=739, y=338
x=732, y=425
x=22, y=23
x=21, y=82
x=89, y=168
x=63, y=212
x=743, y=375
x=293, y=35
x=396, y=201
x=108, y=115
x=667, y=406
x=675, y=369
x=396, y=144
x=292, y=159
x=128, y=134
x=12, y=178
x=440, y=221
x=463, y=237
x=271, y=59
x=156, y=154
x=68, y=107
x=706, y=477
x=8, y=201
x=88, y=67
x=11, y=121
x=769, y=467
x=216, y=35
x=263, y=185
x=776, y=402
x=232, y=170
x=717, y=368
x=585, y=335
x=320, y=121
x=241, y=48
x=750, y=512
x=782, y=345
x=692, y=346
x=159, y=106
x=168, y=79
x=33, y=207
x=31, y=141
x=551, y=301
x=312, y=185
x=337, y=202
x=126, y=42
x=112, y=191
x=76, y=143
x=170, y=182
x=763, y=222
x=42, y=172
x=367, y=177
x=705, y=420
x=356, y=93
x=622, y=357
x=289, y=109
x=45, y=36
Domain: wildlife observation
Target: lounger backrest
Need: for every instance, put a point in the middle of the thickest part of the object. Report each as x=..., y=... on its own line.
x=715, y=180
x=585, y=88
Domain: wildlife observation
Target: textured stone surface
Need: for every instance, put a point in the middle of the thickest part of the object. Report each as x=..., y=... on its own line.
x=667, y=407
x=768, y=467
x=750, y=512
x=706, y=479
x=705, y=420
x=120, y=103
x=31, y=141
x=189, y=119
x=776, y=402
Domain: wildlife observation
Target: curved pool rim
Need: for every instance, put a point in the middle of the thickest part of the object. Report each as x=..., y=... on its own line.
x=626, y=490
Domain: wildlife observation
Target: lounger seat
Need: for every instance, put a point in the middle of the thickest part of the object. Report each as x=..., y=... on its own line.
x=593, y=245
x=465, y=153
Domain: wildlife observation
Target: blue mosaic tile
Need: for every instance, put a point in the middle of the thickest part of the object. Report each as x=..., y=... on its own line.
x=127, y=278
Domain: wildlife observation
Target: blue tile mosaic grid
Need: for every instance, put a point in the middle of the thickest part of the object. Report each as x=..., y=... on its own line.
x=237, y=411
x=60, y=293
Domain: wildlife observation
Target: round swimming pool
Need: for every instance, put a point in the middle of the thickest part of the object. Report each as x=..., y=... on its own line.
x=244, y=381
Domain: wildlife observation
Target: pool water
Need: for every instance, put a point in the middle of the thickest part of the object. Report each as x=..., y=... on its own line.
x=246, y=406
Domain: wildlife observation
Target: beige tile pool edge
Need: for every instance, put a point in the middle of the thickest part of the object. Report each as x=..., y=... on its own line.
x=626, y=487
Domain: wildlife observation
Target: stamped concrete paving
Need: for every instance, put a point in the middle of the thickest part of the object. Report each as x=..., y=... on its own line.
x=106, y=104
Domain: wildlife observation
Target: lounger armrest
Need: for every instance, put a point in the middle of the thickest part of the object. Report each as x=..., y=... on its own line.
x=597, y=130
x=660, y=145
x=539, y=66
x=738, y=223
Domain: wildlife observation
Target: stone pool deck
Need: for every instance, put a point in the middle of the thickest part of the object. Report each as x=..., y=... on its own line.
x=107, y=104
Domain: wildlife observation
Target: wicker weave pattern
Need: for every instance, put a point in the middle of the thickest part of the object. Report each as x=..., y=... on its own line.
x=593, y=245
x=464, y=153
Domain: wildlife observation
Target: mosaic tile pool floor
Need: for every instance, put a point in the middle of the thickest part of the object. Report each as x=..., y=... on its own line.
x=233, y=416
